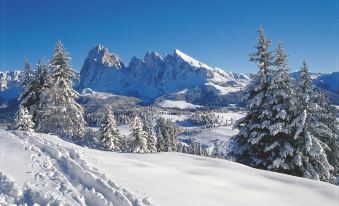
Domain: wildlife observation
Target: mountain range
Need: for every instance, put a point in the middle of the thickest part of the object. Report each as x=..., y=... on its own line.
x=154, y=78
x=176, y=75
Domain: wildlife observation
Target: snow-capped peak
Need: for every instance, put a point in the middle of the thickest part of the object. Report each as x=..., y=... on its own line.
x=189, y=59
x=152, y=57
x=101, y=54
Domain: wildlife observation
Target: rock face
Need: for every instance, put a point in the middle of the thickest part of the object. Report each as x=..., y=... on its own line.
x=155, y=76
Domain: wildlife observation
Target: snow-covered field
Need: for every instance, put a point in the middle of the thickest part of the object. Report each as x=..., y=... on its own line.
x=37, y=169
x=177, y=104
x=44, y=168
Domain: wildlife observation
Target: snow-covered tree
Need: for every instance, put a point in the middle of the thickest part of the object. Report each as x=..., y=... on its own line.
x=147, y=118
x=254, y=128
x=159, y=127
x=109, y=134
x=31, y=94
x=60, y=113
x=151, y=140
x=138, y=136
x=216, y=153
x=27, y=74
x=310, y=158
x=167, y=133
x=23, y=120
x=325, y=126
x=42, y=73
x=279, y=111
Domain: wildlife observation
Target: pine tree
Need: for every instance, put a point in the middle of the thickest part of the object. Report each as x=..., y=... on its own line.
x=254, y=128
x=109, y=134
x=310, y=159
x=27, y=74
x=216, y=153
x=23, y=120
x=171, y=133
x=138, y=136
x=60, y=113
x=167, y=133
x=160, y=124
x=151, y=140
x=325, y=127
x=279, y=107
x=31, y=94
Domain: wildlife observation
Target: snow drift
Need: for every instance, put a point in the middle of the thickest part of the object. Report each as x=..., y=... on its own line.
x=45, y=169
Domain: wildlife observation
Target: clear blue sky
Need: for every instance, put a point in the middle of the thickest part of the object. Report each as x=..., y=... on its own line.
x=217, y=32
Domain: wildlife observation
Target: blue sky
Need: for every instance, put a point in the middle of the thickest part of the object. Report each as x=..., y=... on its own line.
x=217, y=32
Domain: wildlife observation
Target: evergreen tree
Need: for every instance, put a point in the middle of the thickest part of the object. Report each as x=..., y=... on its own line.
x=325, y=127
x=160, y=124
x=138, y=136
x=216, y=153
x=109, y=134
x=279, y=110
x=60, y=113
x=167, y=133
x=31, y=94
x=27, y=74
x=23, y=120
x=171, y=134
x=310, y=159
x=151, y=140
x=254, y=128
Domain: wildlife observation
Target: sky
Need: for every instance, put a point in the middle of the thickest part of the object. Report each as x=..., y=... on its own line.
x=220, y=33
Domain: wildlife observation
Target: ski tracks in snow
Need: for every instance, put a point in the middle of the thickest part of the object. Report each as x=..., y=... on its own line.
x=62, y=177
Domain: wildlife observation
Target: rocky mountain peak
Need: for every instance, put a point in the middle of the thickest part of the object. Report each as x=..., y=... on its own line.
x=101, y=55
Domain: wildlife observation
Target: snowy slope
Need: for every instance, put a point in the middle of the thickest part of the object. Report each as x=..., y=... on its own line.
x=45, y=168
x=36, y=169
x=329, y=82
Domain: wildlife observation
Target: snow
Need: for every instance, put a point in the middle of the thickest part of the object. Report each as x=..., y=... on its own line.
x=36, y=168
x=207, y=136
x=152, y=76
x=44, y=168
x=87, y=92
x=177, y=104
x=190, y=60
x=224, y=90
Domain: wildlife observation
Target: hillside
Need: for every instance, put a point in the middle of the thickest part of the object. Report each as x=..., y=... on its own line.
x=55, y=171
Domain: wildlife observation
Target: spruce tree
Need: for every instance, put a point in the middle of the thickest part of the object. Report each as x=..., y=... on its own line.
x=23, y=120
x=325, y=127
x=254, y=129
x=159, y=127
x=171, y=133
x=60, y=113
x=31, y=94
x=138, y=136
x=167, y=133
x=279, y=107
x=109, y=134
x=27, y=74
x=310, y=158
x=151, y=140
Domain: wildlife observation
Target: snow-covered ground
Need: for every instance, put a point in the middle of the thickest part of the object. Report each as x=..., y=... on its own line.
x=87, y=92
x=38, y=167
x=206, y=137
x=42, y=169
x=177, y=104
